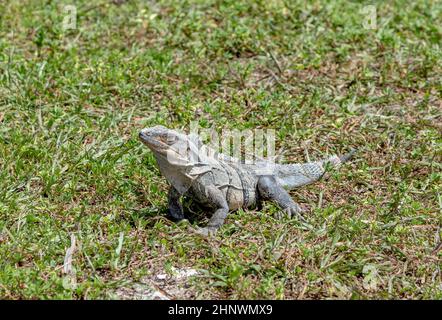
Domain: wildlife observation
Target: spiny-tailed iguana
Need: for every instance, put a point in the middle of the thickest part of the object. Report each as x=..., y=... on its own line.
x=222, y=182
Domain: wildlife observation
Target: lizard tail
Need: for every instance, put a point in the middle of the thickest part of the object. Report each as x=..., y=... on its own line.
x=291, y=176
x=347, y=156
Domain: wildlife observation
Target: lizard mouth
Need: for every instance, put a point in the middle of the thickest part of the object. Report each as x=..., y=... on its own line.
x=165, y=144
x=152, y=141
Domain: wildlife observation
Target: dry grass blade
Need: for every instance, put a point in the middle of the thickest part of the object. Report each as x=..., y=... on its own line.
x=437, y=248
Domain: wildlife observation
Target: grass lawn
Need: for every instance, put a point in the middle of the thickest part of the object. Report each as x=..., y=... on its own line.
x=324, y=77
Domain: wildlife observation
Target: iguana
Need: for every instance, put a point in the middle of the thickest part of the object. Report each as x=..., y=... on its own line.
x=222, y=182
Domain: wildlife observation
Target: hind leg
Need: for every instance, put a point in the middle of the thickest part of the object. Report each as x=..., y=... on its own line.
x=270, y=189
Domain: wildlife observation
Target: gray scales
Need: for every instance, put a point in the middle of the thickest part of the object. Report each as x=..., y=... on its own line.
x=222, y=182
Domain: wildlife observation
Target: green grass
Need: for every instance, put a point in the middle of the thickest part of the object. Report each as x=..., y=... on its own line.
x=72, y=103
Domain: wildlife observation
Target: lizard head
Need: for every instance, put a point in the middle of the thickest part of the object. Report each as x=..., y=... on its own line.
x=169, y=144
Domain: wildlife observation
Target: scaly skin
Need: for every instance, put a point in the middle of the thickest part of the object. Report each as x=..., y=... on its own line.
x=223, y=183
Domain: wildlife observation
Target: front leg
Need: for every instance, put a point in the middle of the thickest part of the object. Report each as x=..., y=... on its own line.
x=270, y=189
x=216, y=199
x=176, y=212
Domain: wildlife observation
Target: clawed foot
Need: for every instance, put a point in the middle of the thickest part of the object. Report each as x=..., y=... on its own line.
x=206, y=231
x=292, y=212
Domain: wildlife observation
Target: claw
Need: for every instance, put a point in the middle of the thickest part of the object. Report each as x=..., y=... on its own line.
x=300, y=217
x=292, y=212
x=279, y=215
x=205, y=232
x=288, y=211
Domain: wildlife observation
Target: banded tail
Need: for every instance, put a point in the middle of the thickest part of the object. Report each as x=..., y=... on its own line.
x=291, y=176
